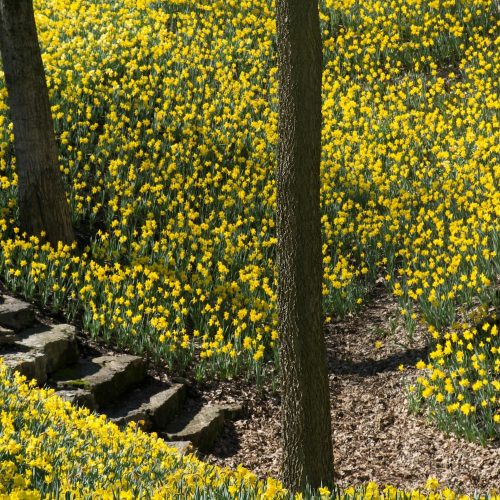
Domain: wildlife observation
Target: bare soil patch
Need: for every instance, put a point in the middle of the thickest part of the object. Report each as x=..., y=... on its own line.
x=375, y=436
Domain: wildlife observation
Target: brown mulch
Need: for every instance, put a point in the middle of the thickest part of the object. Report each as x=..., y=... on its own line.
x=375, y=437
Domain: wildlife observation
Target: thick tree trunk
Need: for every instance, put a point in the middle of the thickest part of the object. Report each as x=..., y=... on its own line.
x=41, y=197
x=306, y=420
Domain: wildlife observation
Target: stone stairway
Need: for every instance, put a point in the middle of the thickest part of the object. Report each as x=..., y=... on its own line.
x=117, y=385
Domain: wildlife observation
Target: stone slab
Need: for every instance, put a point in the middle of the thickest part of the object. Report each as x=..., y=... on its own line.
x=7, y=336
x=154, y=404
x=139, y=416
x=106, y=377
x=31, y=364
x=183, y=447
x=78, y=397
x=202, y=428
x=165, y=405
x=233, y=411
x=56, y=341
x=16, y=314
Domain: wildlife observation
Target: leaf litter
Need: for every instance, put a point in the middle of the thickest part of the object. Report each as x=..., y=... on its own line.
x=371, y=364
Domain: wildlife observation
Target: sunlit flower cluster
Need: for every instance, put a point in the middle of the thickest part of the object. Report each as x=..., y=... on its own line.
x=49, y=449
x=166, y=121
x=461, y=381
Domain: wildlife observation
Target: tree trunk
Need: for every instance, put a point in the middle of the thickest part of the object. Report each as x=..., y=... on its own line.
x=306, y=420
x=41, y=197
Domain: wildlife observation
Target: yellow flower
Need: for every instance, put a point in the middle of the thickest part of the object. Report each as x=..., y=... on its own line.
x=324, y=492
x=432, y=484
x=466, y=408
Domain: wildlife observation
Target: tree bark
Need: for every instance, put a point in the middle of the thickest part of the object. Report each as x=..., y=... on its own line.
x=41, y=197
x=306, y=420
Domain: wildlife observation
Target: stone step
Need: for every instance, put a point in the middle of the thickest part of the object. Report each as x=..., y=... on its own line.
x=183, y=447
x=31, y=364
x=7, y=337
x=115, y=385
x=15, y=314
x=154, y=404
x=106, y=377
x=78, y=397
x=38, y=351
x=57, y=342
x=202, y=427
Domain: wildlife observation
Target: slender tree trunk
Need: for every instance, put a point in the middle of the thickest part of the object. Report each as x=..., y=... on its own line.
x=41, y=197
x=306, y=420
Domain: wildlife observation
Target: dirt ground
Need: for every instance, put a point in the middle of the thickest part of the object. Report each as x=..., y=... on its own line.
x=375, y=437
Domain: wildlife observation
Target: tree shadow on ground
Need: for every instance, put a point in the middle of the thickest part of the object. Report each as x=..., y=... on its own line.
x=337, y=365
